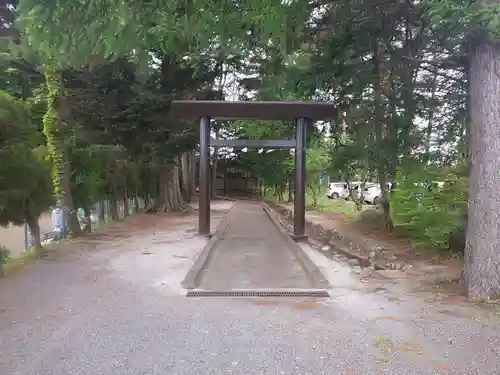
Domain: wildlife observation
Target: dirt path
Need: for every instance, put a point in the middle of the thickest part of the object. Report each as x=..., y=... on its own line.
x=111, y=303
x=12, y=237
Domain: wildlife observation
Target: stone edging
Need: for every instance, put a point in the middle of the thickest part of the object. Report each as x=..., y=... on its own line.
x=321, y=237
x=192, y=278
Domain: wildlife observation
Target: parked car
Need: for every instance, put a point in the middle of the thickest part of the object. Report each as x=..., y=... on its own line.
x=354, y=187
x=337, y=190
x=371, y=193
x=368, y=186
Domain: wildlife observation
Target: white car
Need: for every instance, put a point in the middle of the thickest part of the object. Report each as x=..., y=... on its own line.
x=337, y=190
x=368, y=187
x=372, y=194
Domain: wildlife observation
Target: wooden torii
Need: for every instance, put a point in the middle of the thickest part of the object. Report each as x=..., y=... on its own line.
x=299, y=112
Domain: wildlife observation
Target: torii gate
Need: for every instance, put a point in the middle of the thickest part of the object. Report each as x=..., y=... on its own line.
x=300, y=112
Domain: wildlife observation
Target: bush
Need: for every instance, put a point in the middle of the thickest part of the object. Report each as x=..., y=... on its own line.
x=433, y=215
x=4, y=255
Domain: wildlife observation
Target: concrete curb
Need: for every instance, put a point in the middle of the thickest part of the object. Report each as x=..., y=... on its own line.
x=224, y=198
x=316, y=240
x=311, y=269
x=192, y=279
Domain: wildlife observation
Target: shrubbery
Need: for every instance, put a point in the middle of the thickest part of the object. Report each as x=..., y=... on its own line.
x=430, y=205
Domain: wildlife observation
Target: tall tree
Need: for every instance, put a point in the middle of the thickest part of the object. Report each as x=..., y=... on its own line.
x=482, y=254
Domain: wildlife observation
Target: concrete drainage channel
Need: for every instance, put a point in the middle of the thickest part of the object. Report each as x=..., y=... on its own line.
x=202, y=264
x=259, y=293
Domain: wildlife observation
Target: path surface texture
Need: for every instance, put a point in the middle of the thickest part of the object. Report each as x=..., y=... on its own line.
x=111, y=303
x=252, y=254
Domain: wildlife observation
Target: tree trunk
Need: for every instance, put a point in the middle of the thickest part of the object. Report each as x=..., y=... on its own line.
x=290, y=191
x=73, y=223
x=280, y=192
x=482, y=254
x=315, y=196
x=169, y=194
x=114, y=209
x=136, y=204
x=361, y=196
x=101, y=212
x=192, y=174
x=430, y=120
x=109, y=209
x=55, y=130
x=213, y=177
x=185, y=176
x=34, y=228
x=385, y=201
x=214, y=164
x=126, y=208
x=382, y=163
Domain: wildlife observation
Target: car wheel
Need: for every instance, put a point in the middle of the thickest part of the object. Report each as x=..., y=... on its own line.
x=334, y=196
x=375, y=201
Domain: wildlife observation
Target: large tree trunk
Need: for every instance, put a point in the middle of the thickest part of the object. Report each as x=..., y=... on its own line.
x=71, y=216
x=482, y=252
x=55, y=131
x=113, y=207
x=381, y=160
x=430, y=120
x=169, y=194
x=101, y=213
x=36, y=240
x=136, y=204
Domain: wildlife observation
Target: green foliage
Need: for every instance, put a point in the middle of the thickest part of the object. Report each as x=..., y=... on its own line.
x=273, y=167
x=318, y=159
x=426, y=211
x=464, y=16
x=113, y=28
x=25, y=186
x=4, y=256
x=53, y=128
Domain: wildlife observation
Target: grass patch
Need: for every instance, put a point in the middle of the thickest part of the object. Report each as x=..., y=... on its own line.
x=324, y=205
x=333, y=205
x=13, y=264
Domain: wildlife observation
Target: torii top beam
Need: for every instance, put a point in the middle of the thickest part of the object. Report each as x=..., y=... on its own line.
x=246, y=110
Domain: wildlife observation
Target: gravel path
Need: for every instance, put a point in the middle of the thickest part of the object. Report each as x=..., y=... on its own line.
x=112, y=304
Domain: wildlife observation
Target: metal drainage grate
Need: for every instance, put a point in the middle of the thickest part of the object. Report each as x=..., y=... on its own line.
x=257, y=293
